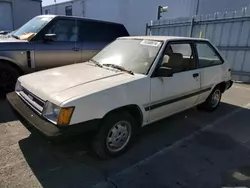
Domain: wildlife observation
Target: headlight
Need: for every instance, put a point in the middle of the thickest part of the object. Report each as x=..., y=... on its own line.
x=51, y=111
x=56, y=114
x=18, y=86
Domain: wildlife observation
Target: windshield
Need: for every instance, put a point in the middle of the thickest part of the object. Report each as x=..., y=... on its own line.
x=31, y=28
x=133, y=54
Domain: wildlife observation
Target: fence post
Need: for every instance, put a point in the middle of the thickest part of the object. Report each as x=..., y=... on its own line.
x=191, y=27
x=150, y=28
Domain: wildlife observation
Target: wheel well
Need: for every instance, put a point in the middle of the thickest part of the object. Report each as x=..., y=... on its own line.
x=133, y=110
x=222, y=86
x=15, y=66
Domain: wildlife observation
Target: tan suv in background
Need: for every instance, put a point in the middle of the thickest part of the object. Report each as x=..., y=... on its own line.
x=49, y=41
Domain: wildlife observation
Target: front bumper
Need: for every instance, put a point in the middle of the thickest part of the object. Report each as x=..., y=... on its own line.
x=24, y=112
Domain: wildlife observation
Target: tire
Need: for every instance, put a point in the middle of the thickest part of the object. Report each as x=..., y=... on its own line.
x=8, y=78
x=121, y=121
x=213, y=100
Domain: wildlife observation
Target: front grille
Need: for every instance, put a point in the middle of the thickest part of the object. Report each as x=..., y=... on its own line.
x=32, y=100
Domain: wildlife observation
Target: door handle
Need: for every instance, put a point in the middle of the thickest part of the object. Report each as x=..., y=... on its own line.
x=75, y=49
x=195, y=75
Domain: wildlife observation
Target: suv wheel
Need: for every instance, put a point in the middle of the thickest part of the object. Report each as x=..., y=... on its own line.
x=8, y=78
x=117, y=131
x=213, y=101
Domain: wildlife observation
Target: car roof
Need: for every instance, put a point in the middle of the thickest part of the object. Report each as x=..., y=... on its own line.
x=78, y=18
x=163, y=38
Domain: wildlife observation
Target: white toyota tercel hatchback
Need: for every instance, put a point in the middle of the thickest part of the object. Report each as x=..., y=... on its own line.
x=132, y=82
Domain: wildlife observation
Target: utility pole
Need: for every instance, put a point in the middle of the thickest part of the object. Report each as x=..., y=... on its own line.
x=55, y=7
x=194, y=16
x=83, y=8
x=160, y=10
x=197, y=7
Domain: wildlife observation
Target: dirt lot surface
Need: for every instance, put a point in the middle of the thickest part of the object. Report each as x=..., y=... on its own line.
x=192, y=149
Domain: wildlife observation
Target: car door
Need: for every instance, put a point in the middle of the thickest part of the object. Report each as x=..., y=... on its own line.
x=211, y=66
x=65, y=49
x=180, y=91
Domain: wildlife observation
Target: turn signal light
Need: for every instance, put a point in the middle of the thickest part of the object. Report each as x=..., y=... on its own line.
x=65, y=116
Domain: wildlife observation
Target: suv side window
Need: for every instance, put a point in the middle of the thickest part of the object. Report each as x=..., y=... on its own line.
x=207, y=55
x=179, y=57
x=114, y=31
x=65, y=30
x=90, y=31
x=100, y=32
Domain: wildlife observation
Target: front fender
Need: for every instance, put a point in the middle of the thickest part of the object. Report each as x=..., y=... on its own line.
x=97, y=105
x=11, y=58
x=8, y=59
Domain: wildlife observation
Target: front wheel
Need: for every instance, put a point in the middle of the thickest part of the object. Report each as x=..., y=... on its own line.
x=116, y=133
x=213, y=101
x=8, y=78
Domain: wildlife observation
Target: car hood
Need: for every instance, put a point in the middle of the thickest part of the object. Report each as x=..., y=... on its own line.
x=6, y=39
x=11, y=44
x=60, y=84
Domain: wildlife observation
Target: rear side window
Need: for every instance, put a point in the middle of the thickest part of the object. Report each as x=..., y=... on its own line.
x=101, y=32
x=207, y=55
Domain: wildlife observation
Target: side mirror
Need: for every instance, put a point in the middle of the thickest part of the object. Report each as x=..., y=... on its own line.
x=49, y=37
x=164, y=72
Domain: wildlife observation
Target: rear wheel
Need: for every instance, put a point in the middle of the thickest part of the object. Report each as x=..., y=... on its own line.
x=213, y=101
x=8, y=78
x=115, y=135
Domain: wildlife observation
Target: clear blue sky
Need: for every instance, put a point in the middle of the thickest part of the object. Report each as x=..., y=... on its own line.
x=49, y=2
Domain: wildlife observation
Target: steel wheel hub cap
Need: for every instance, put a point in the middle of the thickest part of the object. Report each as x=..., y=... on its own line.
x=215, y=98
x=118, y=136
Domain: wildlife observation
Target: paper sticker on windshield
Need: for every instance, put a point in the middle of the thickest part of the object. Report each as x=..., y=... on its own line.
x=150, y=43
x=27, y=36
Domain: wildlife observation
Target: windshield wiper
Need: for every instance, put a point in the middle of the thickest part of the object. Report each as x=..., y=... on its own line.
x=96, y=63
x=14, y=36
x=121, y=68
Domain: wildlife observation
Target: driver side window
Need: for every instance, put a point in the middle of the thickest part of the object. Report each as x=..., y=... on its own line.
x=179, y=57
x=65, y=30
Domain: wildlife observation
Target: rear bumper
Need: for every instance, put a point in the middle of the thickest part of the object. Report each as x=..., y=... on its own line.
x=24, y=112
